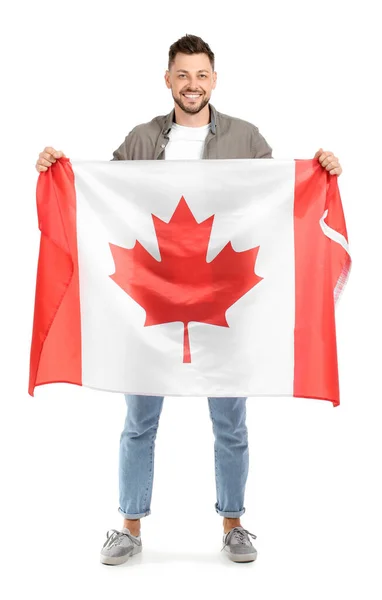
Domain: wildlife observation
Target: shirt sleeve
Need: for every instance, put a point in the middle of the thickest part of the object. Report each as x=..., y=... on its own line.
x=260, y=147
x=123, y=152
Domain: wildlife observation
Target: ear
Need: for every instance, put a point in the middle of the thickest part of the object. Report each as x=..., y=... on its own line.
x=167, y=78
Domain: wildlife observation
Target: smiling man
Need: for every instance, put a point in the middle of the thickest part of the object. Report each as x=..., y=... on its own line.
x=191, y=101
x=194, y=129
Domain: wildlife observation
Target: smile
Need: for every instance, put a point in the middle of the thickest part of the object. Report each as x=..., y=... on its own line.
x=192, y=96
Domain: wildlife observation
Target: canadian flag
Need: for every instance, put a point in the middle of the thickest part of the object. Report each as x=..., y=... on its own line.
x=189, y=278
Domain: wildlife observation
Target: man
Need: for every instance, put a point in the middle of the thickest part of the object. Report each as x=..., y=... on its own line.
x=194, y=129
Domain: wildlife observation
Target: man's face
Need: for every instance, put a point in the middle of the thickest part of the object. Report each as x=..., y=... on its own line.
x=191, y=75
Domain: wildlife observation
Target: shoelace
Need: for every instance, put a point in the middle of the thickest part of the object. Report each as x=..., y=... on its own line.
x=115, y=538
x=240, y=533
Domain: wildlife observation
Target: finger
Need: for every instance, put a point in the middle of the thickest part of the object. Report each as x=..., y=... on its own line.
x=49, y=150
x=41, y=168
x=331, y=165
x=320, y=151
x=45, y=162
x=324, y=155
x=328, y=159
x=336, y=171
x=53, y=152
x=47, y=156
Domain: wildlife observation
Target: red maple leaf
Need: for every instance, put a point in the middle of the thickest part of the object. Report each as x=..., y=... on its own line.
x=182, y=286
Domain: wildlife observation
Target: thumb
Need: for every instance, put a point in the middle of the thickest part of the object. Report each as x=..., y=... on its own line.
x=320, y=151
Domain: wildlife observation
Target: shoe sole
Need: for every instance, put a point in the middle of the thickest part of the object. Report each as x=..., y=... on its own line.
x=119, y=560
x=242, y=557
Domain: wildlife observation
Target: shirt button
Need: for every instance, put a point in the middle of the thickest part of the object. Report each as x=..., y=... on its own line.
x=162, y=146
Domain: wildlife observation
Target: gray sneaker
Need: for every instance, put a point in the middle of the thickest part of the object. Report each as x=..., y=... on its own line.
x=238, y=546
x=119, y=546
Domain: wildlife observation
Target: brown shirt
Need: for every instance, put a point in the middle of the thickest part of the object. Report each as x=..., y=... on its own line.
x=228, y=137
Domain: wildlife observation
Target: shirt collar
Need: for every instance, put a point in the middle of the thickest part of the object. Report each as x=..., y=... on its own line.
x=170, y=119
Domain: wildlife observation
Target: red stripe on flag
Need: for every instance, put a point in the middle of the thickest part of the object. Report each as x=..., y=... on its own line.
x=56, y=339
x=320, y=264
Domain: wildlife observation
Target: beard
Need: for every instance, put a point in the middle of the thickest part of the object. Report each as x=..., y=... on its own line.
x=191, y=107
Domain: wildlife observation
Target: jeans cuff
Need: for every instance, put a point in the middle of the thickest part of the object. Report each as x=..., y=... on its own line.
x=229, y=514
x=131, y=516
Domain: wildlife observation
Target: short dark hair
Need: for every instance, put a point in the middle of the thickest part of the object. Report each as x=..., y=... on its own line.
x=190, y=44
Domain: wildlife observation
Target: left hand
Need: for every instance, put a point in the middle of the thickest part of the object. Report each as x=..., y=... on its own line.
x=329, y=161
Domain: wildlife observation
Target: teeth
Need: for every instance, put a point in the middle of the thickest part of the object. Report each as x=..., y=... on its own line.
x=192, y=95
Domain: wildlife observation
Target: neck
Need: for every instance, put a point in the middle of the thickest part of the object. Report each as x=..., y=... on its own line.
x=192, y=120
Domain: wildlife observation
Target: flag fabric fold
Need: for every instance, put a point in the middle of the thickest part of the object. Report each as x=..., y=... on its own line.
x=189, y=278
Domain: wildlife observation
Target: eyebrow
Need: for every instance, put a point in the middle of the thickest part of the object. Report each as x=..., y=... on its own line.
x=184, y=71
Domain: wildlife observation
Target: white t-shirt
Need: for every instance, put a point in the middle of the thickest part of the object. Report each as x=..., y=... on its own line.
x=186, y=142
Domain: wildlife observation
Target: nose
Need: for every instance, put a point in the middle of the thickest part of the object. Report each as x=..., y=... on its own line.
x=193, y=84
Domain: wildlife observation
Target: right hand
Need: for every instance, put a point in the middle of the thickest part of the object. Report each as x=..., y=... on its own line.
x=47, y=157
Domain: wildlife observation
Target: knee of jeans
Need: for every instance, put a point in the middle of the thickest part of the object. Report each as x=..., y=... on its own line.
x=139, y=428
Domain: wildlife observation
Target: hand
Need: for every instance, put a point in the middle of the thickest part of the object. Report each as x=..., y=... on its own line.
x=329, y=161
x=47, y=157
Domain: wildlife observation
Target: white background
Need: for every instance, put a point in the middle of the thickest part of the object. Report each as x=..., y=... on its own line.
x=78, y=76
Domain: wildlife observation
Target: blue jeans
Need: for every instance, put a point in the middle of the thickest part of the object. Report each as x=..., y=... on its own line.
x=137, y=450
